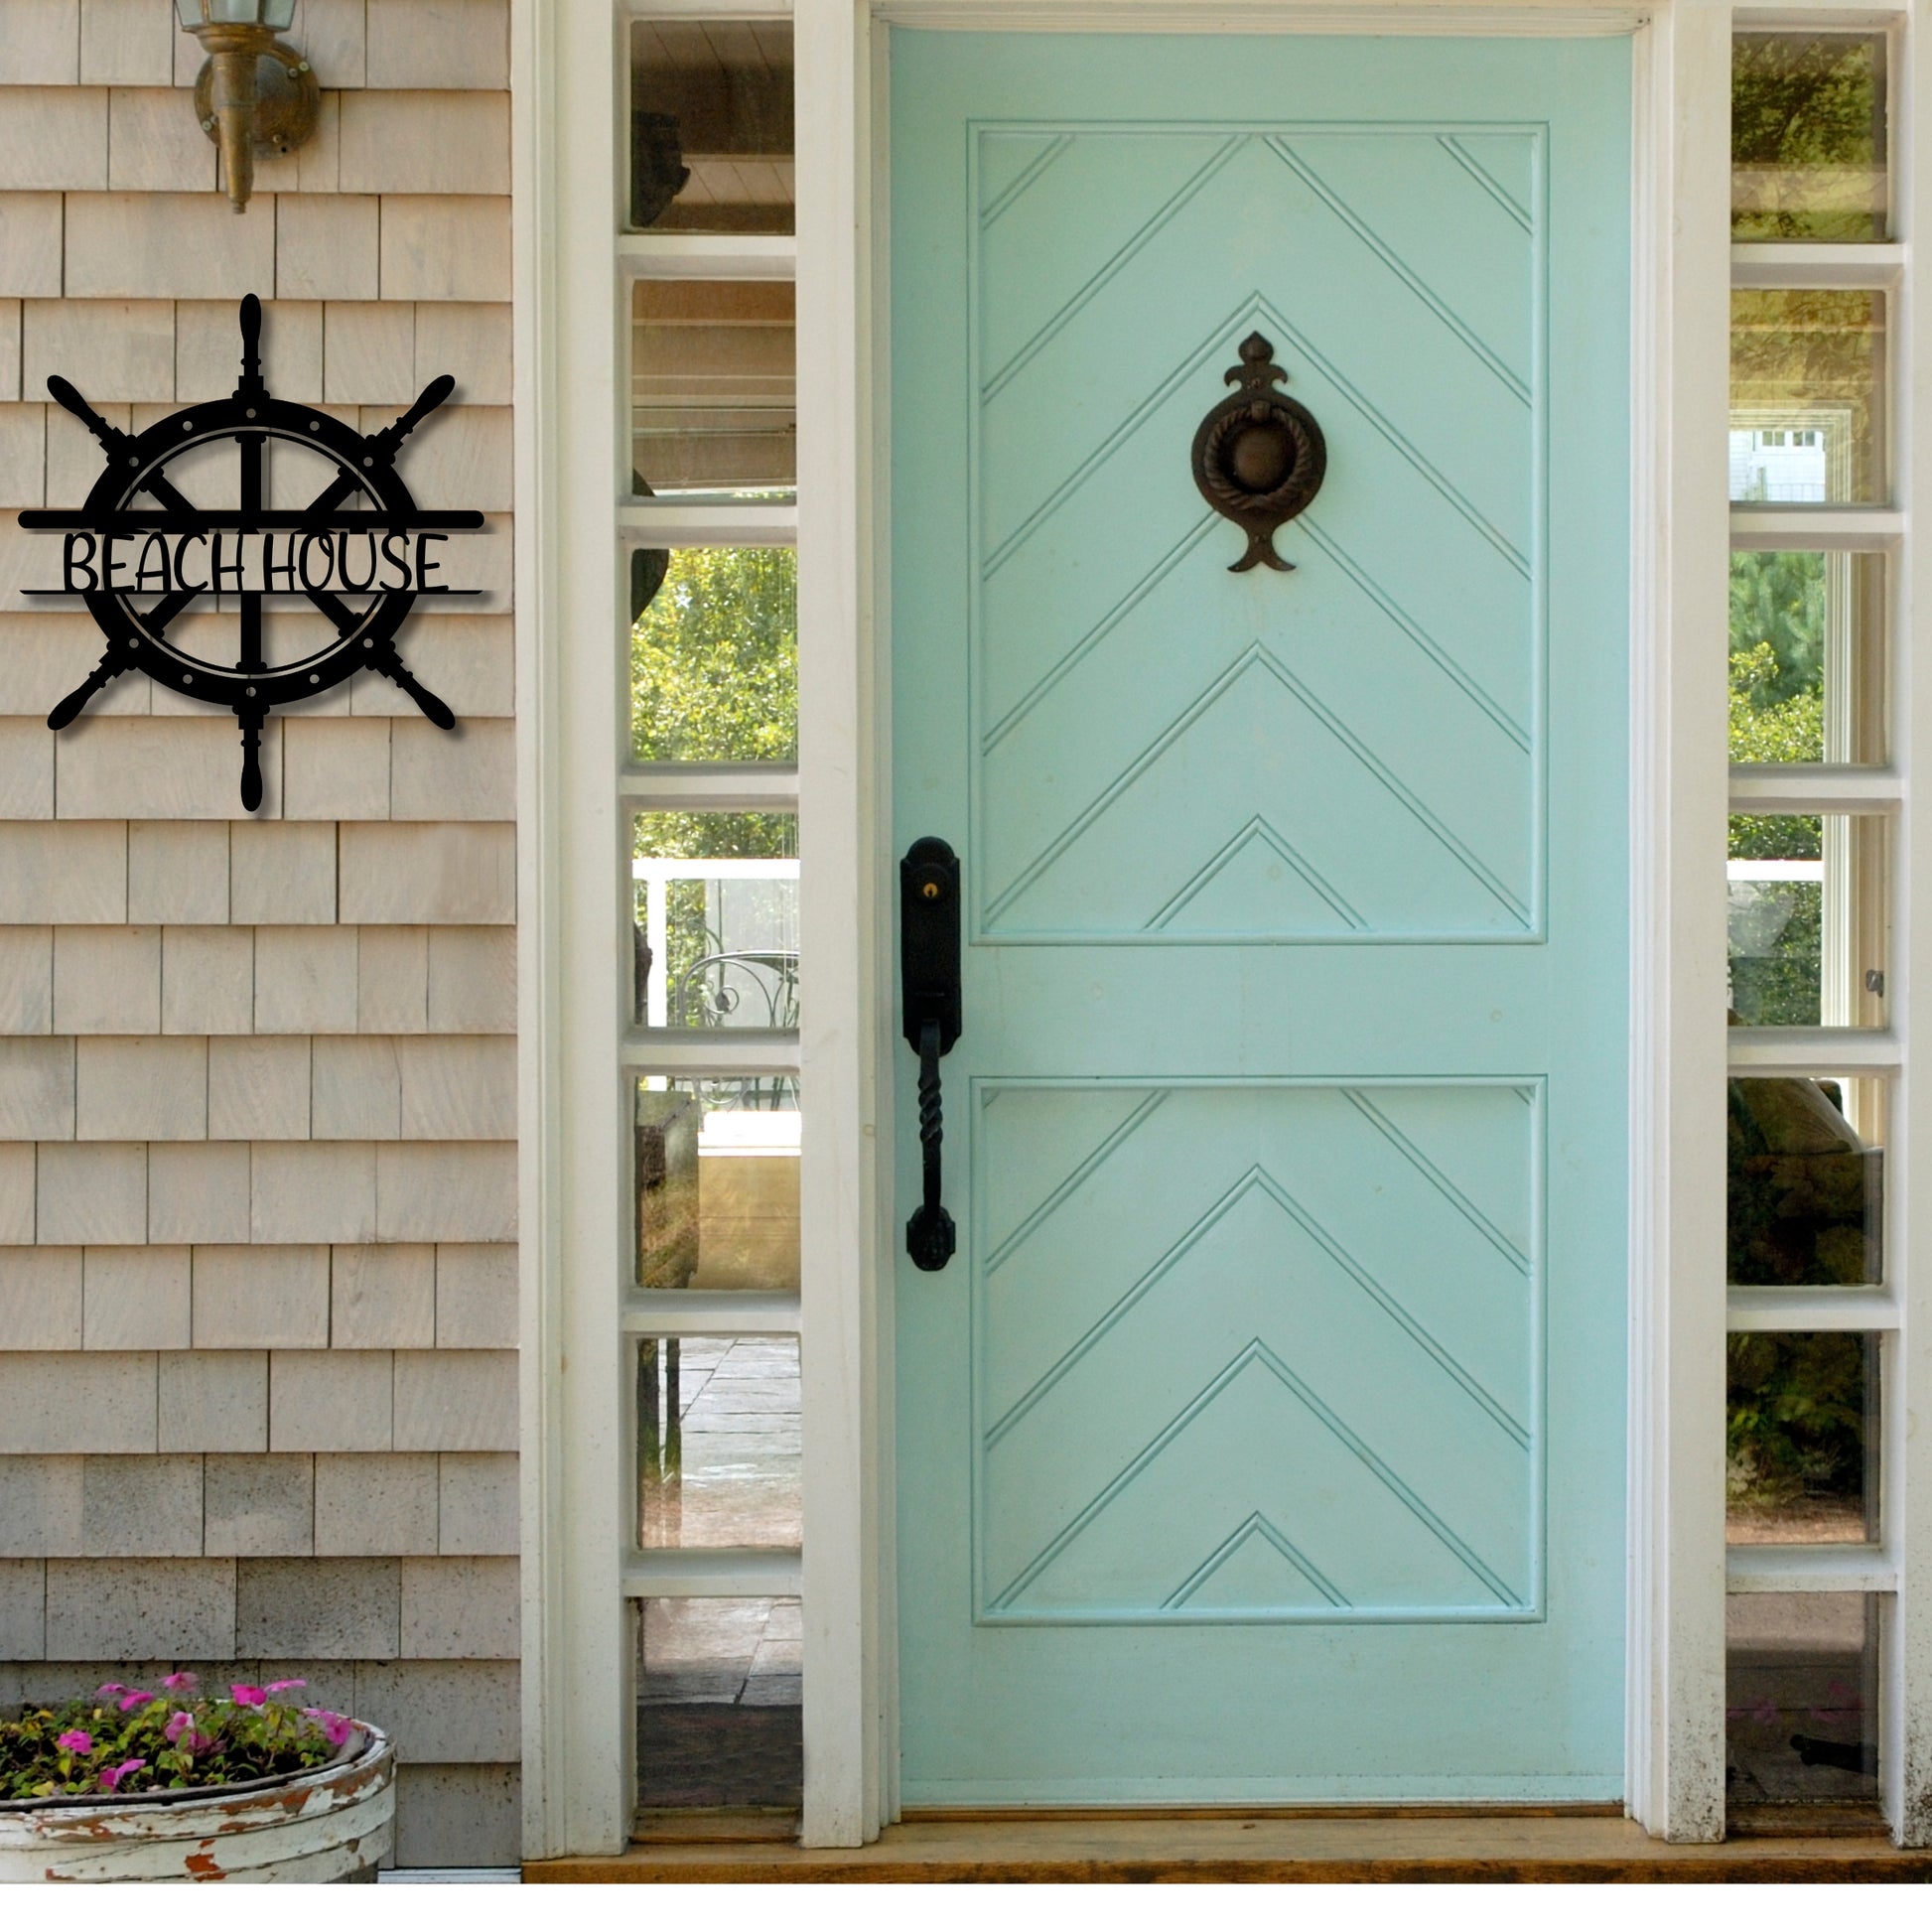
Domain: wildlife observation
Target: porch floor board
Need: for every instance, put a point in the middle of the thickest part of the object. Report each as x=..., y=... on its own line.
x=1272, y=1850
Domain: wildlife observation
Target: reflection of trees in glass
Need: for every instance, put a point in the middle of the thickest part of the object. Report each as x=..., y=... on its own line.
x=1813, y=357
x=1808, y=135
x=1797, y=1417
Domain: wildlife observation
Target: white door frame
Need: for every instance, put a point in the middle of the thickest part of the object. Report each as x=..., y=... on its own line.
x=572, y=729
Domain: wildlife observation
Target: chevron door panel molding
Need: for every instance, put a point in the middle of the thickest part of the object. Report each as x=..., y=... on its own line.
x=1314, y=735
x=1257, y=1352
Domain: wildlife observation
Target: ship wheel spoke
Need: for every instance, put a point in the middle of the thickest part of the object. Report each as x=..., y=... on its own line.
x=165, y=609
x=346, y=485
x=251, y=441
x=167, y=497
x=252, y=633
x=342, y=616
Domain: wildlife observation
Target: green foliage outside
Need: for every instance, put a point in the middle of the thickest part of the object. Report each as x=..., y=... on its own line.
x=1808, y=102
x=1796, y=1421
x=1777, y=717
x=714, y=677
x=713, y=661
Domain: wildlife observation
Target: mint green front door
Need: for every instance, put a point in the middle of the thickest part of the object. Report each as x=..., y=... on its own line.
x=1264, y=1441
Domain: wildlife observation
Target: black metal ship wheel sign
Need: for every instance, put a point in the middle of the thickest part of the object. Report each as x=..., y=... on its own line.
x=140, y=551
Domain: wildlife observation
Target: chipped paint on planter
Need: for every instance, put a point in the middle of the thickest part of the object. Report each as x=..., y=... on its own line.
x=332, y=1824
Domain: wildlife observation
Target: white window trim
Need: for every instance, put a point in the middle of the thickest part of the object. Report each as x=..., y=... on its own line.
x=577, y=1718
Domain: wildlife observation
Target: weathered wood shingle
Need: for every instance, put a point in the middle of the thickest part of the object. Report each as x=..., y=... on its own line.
x=257, y=1081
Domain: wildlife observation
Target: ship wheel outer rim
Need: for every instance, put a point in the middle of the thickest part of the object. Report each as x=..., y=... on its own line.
x=219, y=421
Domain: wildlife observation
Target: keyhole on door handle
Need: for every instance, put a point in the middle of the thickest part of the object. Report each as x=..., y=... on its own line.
x=928, y=958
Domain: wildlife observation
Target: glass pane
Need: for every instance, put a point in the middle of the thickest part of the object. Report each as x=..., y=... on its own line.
x=714, y=655
x=718, y=1443
x=711, y=126
x=715, y=1164
x=1806, y=916
x=720, y=1691
x=1801, y=1699
x=1806, y=1174
x=1807, y=387
x=714, y=387
x=1801, y=1461
x=1808, y=137
x=715, y=919
x=1807, y=657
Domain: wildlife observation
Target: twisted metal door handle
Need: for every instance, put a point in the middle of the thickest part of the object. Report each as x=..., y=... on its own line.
x=929, y=1234
x=928, y=907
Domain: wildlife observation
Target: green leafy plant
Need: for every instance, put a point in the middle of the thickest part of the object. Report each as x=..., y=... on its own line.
x=1796, y=1423
x=125, y=1740
x=1778, y=598
x=1783, y=989
x=714, y=675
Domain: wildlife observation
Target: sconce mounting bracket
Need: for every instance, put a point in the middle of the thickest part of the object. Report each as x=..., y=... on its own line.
x=288, y=99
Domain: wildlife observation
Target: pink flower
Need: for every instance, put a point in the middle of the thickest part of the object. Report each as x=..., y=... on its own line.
x=247, y=1694
x=74, y=1741
x=180, y=1722
x=111, y=1690
x=335, y=1726
x=180, y=1680
x=110, y=1778
x=135, y=1699
x=288, y=1684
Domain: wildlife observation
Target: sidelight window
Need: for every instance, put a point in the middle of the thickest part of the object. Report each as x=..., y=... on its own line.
x=710, y=815
x=1815, y=889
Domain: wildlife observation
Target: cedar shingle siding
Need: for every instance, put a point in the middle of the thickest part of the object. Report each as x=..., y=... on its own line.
x=257, y=1087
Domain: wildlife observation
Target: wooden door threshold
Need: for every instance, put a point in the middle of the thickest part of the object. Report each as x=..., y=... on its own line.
x=1557, y=1848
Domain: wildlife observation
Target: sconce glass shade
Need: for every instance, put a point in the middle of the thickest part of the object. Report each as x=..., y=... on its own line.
x=276, y=14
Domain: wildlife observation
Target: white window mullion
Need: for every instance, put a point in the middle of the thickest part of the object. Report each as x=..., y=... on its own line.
x=1802, y=1310
x=1774, y=1567
x=1813, y=1052
x=1816, y=265
x=1806, y=526
x=710, y=788
x=709, y=1311
x=657, y=256
x=712, y=1573
x=671, y=525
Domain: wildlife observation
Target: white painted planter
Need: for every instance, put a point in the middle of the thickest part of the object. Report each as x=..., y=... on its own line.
x=327, y=1826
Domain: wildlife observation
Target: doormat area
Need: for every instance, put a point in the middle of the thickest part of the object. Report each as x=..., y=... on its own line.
x=719, y=1754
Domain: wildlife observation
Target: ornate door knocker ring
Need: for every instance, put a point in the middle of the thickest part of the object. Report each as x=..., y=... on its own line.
x=1259, y=456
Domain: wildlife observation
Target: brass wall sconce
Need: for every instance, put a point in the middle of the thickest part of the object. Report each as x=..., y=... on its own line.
x=252, y=92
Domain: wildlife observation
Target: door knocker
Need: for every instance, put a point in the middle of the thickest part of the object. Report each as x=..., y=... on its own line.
x=1259, y=456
